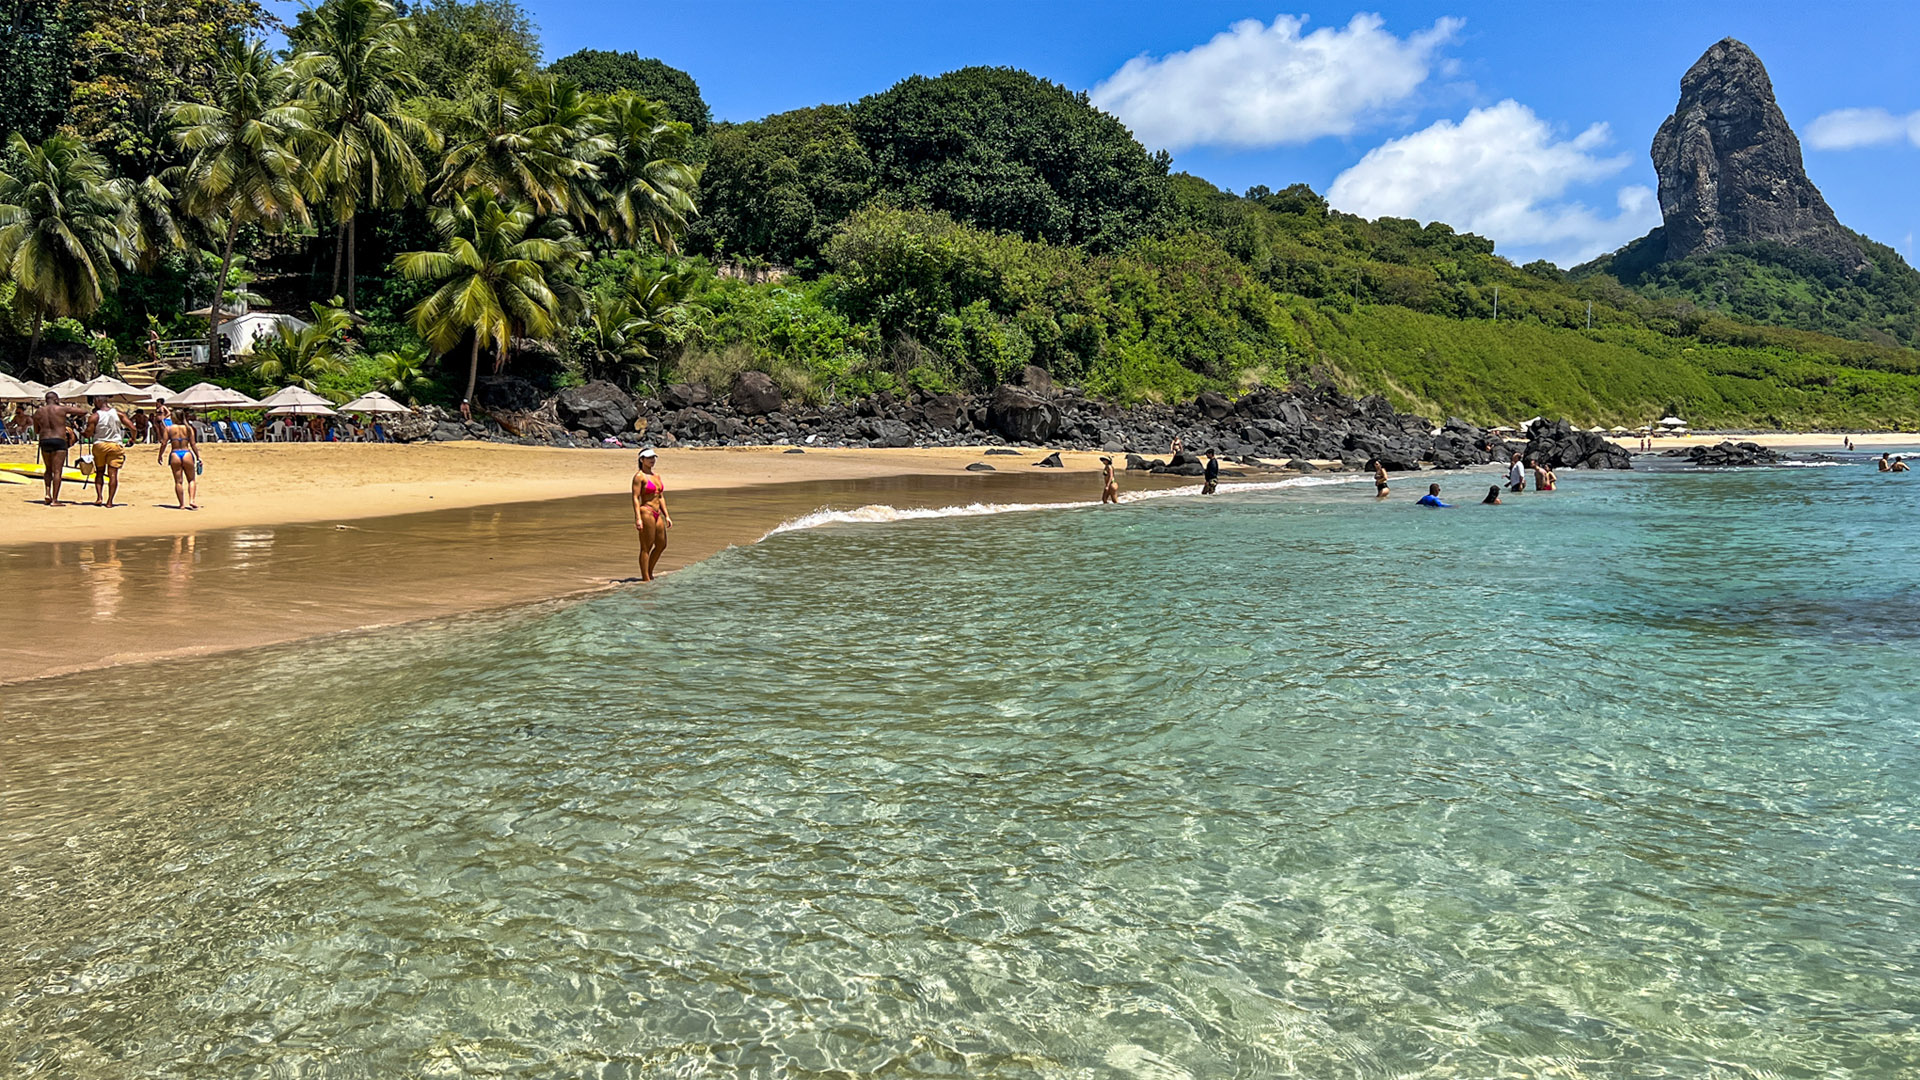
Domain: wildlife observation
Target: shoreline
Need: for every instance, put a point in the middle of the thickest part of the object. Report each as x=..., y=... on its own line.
x=89, y=605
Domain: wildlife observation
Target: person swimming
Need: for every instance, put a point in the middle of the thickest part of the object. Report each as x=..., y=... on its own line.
x=1109, y=487
x=1432, y=498
x=1380, y=490
x=1493, y=496
x=650, y=517
x=1900, y=465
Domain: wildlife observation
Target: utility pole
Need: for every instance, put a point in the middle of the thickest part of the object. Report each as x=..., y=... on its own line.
x=1589, y=314
x=1496, y=303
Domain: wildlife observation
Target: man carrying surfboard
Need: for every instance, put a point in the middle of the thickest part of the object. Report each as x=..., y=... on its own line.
x=50, y=424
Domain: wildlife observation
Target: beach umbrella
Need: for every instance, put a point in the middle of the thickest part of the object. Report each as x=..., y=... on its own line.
x=208, y=396
x=68, y=390
x=109, y=387
x=375, y=402
x=302, y=409
x=12, y=389
x=292, y=395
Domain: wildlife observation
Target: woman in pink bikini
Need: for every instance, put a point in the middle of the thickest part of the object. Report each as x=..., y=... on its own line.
x=650, y=516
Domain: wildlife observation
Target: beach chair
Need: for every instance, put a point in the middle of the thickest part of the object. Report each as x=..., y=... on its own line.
x=246, y=431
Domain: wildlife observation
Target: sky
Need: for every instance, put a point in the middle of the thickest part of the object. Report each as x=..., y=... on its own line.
x=1526, y=122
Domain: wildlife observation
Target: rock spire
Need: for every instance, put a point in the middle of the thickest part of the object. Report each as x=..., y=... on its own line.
x=1730, y=168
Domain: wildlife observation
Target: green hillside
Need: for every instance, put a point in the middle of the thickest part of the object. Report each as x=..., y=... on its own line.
x=937, y=235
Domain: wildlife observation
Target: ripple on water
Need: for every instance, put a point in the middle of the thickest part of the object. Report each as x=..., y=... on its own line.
x=1276, y=784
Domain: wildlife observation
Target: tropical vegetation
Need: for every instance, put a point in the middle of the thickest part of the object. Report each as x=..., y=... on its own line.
x=445, y=205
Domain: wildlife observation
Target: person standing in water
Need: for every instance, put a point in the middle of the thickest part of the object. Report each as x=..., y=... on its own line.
x=50, y=425
x=180, y=451
x=1886, y=462
x=1109, y=487
x=1516, y=474
x=1493, y=496
x=108, y=428
x=1543, y=478
x=1210, y=482
x=1380, y=490
x=650, y=513
x=1432, y=498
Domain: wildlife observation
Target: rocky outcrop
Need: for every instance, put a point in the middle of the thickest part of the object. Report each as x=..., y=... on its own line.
x=686, y=396
x=1730, y=168
x=1727, y=455
x=1022, y=416
x=599, y=408
x=1559, y=445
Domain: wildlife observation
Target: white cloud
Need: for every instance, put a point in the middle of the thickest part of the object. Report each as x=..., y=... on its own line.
x=1500, y=173
x=1259, y=85
x=1848, y=129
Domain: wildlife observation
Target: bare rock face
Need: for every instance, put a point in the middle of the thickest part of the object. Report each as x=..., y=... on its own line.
x=1730, y=168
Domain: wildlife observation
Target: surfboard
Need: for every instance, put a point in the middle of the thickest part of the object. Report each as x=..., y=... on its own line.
x=36, y=472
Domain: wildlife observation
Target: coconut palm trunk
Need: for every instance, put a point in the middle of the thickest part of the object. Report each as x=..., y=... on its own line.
x=353, y=279
x=473, y=367
x=219, y=306
x=339, y=250
x=39, y=317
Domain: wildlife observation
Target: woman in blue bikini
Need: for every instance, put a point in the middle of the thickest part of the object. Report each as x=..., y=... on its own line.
x=180, y=450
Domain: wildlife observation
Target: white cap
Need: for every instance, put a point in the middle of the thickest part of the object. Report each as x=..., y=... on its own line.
x=648, y=452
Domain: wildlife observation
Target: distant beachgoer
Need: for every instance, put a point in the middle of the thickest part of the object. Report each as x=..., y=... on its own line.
x=650, y=516
x=1109, y=487
x=1886, y=462
x=50, y=424
x=180, y=451
x=1211, y=481
x=1847, y=441
x=153, y=346
x=1493, y=496
x=1543, y=478
x=1432, y=498
x=108, y=428
x=1516, y=474
x=1380, y=490
x=1900, y=465
x=466, y=410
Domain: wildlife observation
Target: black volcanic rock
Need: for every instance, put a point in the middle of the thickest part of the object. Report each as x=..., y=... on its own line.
x=1730, y=168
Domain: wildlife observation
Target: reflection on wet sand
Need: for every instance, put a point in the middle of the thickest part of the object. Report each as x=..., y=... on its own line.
x=87, y=604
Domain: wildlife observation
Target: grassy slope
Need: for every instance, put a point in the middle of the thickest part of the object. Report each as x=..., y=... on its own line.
x=1490, y=372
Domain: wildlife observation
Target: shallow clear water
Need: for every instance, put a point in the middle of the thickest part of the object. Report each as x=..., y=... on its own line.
x=1615, y=782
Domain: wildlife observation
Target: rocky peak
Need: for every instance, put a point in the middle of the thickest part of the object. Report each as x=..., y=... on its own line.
x=1730, y=168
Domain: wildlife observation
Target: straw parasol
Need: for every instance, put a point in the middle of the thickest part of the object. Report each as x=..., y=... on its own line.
x=107, y=386
x=208, y=396
x=292, y=395
x=374, y=402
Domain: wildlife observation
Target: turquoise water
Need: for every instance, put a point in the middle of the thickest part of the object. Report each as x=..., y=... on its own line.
x=1615, y=782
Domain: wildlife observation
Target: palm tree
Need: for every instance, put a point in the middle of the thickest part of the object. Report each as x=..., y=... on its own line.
x=403, y=373
x=302, y=356
x=246, y=166
x=525, y=137
x=497, y=278
x=642, y=186
x=353, y=70
x=63, y=224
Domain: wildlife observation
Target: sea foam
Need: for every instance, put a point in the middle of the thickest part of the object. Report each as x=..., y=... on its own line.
x=880, y=512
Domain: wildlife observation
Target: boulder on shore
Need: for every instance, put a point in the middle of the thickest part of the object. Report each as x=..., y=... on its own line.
x=754, y=394
x=599, y=408
x=1020, y=416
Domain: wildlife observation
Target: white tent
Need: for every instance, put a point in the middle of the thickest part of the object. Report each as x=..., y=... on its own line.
x=1673, y=421
x=374, y=402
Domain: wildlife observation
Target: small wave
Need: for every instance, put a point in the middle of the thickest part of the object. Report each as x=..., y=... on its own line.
x=880, y=512
x=1814, y=464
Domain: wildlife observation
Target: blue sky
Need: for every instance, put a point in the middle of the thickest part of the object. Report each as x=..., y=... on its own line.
x=1482, y=114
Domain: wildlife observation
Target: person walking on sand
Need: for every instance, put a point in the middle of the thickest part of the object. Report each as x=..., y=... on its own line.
x=1516, y=474
x=1210, y=480
x=50, y=425
x=180, y=451
x=108, y=428
x=1380, y=489
x=650, y=516
x=1109, y=487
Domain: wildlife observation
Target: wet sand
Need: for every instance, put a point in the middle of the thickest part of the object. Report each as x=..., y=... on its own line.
x=83, y=604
